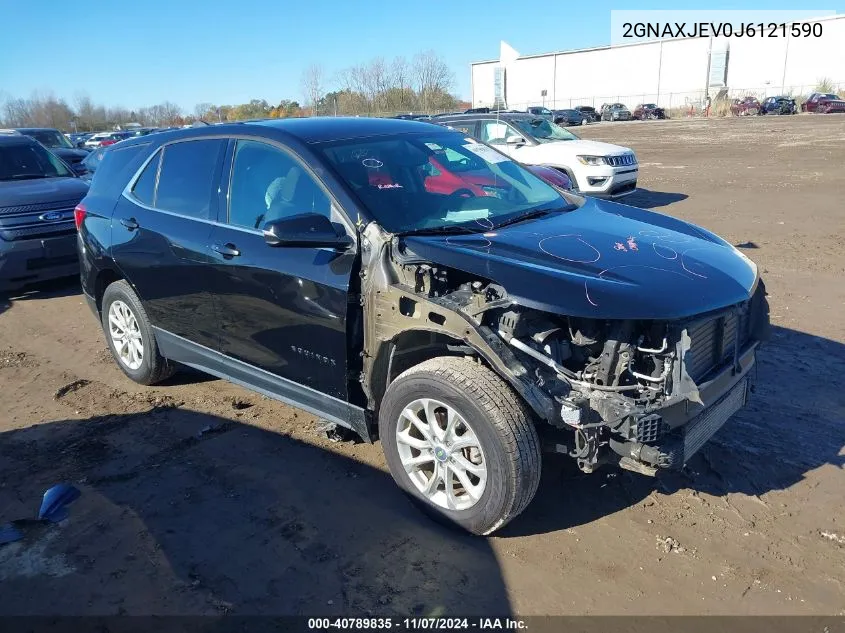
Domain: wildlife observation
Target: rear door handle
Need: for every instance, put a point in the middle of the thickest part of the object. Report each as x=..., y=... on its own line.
x=226, y=250
x=130, y=223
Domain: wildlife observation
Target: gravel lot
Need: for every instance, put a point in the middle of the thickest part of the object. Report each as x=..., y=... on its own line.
x=202, y=497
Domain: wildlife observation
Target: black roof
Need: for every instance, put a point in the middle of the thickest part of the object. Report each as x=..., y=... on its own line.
x=505, y=116
x=321, y=129
x=15, y=139
x=305, y=130
x=27, y=130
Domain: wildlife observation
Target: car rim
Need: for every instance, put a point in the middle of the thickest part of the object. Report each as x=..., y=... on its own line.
x=441, y=454
x=126, y=335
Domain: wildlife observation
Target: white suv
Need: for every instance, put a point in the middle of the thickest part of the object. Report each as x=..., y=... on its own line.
x=598, y=169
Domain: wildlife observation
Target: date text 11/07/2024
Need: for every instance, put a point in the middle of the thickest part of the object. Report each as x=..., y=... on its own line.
x=416, y=624
x=721, y=29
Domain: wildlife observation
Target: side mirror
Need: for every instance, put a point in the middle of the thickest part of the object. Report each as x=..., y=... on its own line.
x=305, y=230
x=515, y=140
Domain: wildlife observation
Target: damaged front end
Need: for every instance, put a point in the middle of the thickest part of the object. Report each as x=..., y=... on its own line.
x=646, y=394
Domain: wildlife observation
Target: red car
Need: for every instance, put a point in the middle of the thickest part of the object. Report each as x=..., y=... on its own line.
x=439, y=179
x=746, y=106
x=823, y=103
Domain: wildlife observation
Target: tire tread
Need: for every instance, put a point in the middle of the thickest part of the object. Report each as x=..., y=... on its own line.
x=506, y=411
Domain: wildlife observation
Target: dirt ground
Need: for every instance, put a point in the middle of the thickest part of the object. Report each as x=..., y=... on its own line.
x=199, y=497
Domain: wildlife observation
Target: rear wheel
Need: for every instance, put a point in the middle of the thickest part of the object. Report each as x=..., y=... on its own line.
x=130, y=336
x=460, y=443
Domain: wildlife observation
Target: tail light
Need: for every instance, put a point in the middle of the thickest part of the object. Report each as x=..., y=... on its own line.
x=79, y=215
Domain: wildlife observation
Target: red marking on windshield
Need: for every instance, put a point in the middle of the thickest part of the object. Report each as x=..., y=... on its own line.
x=632, y=243
x=619, y=246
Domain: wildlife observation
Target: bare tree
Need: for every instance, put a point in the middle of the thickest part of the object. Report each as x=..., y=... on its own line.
x=433, y=79
x=202, y=110
x=312, y=85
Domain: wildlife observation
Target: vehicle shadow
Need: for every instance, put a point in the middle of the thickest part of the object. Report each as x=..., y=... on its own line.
x=647, y=199
x=63, y=287
x=793, y=424
x=188, y=513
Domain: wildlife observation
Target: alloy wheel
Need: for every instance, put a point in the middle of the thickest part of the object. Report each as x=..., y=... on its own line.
x=126, y=335
x=441, y=454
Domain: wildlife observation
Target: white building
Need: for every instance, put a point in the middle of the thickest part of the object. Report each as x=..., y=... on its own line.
x=670, y=72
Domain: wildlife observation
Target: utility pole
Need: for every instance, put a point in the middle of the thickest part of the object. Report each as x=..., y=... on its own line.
x=709, y=58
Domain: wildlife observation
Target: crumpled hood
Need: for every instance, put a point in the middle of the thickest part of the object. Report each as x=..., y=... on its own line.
x=604, y=260
x=41, y=190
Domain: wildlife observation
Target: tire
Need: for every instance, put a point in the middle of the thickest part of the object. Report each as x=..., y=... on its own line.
x=153, y=367
x=584, y=121
x=496, y=419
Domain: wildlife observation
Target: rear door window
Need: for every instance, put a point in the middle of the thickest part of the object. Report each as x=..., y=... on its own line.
x=187, y=177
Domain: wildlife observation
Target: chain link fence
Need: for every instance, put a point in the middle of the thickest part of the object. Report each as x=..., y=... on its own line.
x=678, y=103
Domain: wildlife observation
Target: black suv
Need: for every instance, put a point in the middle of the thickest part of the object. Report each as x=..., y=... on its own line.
x=59, y=144
x=408, y=283
x=38, y=193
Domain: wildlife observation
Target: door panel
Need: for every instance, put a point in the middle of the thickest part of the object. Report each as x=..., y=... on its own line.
x=164, y=252
x=280, y=309
x=283, y=309
x=165, y=259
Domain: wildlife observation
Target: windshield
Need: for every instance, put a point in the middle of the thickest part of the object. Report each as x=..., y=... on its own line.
x=92, y=161
x=50, y=138
x=438, y=181
x=25, y=161
x=650, y=106
x=544, y=130
x=829, y=96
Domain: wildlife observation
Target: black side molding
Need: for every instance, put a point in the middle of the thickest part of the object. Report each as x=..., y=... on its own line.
x=210, y=361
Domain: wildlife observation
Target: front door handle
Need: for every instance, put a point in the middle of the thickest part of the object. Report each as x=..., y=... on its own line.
x=226, y=250
x=130, y=223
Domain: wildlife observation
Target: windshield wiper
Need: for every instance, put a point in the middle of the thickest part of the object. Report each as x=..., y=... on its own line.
x=447, y=228
x=24, y=176
x=522, y=217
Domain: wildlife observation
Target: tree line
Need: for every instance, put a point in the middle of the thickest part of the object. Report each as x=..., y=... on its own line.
x=377, y=87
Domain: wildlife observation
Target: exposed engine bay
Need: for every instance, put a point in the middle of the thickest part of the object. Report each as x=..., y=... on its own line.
x=610, y=390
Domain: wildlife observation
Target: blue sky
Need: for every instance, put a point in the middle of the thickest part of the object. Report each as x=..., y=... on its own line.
x=186, y=51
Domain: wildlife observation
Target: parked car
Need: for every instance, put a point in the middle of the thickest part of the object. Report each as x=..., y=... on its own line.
x=455, y=330
x=615, y=112
x=747, y=106
x=593, y=167
x=141, y=131
x=589, y=111
x=541, y=111
x=38, y=193
x=551, y=175
x=57, y=143
x=570, y=117
x=778, y=105
x=92, y=162
x=104, y=139
x=645, y=111
x=823, y=103
x=78, y=140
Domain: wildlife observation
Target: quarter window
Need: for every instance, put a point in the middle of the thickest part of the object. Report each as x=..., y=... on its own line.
x=187, y=177
x=269, y=184
x=145, y=186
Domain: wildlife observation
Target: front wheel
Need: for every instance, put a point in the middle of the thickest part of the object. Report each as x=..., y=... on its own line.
x=460, y=443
